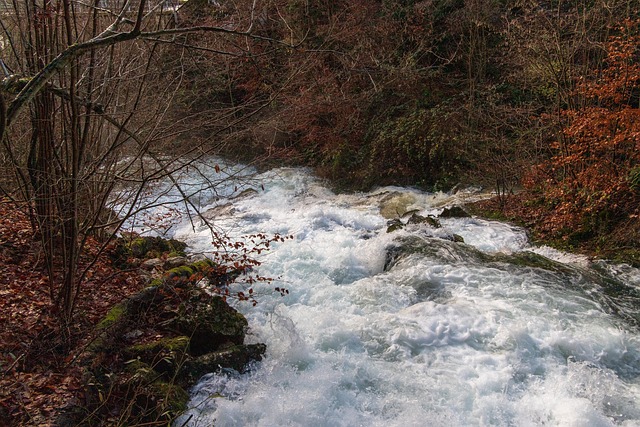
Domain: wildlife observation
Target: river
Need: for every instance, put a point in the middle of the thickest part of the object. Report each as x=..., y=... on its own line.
x=411, y=328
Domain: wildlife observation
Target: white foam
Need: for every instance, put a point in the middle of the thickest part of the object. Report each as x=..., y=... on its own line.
x=437, y=340
x=560, y=256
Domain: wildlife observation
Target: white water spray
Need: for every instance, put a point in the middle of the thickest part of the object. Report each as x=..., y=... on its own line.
x=450, y=334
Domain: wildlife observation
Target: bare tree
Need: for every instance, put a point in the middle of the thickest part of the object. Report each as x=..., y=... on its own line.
x=82, y=112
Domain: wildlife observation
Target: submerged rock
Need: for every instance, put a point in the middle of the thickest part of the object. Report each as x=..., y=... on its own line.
x=419, y=219
x=454, y=212
x=394, y=225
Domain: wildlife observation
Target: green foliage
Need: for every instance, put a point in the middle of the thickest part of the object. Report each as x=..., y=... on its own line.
x=410, y=148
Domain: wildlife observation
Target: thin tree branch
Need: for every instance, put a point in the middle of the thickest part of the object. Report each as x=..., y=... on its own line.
x=105, y=39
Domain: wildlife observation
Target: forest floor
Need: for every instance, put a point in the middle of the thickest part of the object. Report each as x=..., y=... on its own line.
x=38, y=373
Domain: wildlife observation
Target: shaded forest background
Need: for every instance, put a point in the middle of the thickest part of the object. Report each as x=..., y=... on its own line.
x=511, y=95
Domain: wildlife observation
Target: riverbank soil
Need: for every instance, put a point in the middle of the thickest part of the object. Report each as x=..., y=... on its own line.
x=39, y=373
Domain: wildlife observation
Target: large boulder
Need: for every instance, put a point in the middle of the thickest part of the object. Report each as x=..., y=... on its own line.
x=396, y=204
x=210, y=323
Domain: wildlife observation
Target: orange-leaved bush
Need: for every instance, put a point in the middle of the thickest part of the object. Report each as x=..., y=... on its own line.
x=589, y=182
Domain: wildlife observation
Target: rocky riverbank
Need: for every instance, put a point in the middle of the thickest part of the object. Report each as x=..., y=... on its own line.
x=153, y=346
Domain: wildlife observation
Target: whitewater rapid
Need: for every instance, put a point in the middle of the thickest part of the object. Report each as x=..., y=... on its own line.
x=411, y=328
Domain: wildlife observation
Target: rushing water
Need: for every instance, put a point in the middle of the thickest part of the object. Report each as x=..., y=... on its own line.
x=412, y=329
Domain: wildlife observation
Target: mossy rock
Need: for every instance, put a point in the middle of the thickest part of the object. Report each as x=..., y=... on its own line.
x=133, y=245
x=235, y=357
x=114, y=316
x=394, y=225
x=419, y=219
x=164, y=355
x=454, y=212
x=180, y=343
x=203, y=265
x=211, y=323
x=143, y=246
x=139, y=247
x=184, y=272
x=105, y=329
x=451, y=250
x=153, y=380
x=158, y=281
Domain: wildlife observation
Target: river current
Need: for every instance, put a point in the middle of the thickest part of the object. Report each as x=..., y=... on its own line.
x=412, y=328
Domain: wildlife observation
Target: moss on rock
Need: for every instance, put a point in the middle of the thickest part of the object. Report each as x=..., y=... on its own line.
x=113, y=316
x=203, y=265
x=182, y=272
x=180, y=343
x=172, y=400
x=211, y=323
x=146, y=247
x=164, y=354
x=236, y=357
x=193, y=332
